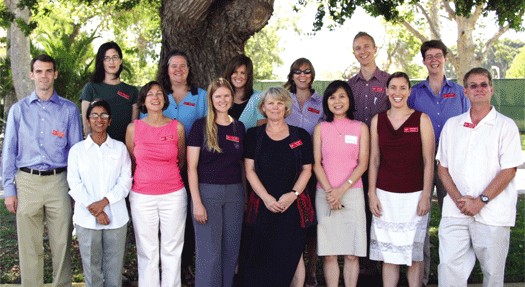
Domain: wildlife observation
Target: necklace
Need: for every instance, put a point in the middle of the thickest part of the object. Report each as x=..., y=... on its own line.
x=338, y=131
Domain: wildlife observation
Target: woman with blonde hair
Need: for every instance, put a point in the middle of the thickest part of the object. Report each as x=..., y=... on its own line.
x=215, y=149
x=278, y=165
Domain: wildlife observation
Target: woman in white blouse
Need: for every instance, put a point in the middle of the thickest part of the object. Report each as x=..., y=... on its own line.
x=99, y=175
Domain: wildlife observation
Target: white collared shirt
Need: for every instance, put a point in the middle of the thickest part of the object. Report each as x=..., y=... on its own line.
x=474, y=155
x=95, y=172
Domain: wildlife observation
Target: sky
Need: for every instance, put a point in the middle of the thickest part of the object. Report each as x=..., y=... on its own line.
x=332, y=50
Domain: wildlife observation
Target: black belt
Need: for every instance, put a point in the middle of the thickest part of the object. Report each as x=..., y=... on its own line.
x=43, y=172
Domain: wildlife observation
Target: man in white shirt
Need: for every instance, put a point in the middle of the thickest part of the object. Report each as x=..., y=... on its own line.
x=479, y=152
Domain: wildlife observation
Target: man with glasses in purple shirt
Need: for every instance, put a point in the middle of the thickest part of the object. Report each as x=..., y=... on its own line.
x=369, y=91
x=40, y=130
x=440, y=99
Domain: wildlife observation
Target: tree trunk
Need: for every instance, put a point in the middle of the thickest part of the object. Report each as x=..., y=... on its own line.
x=18, y=51
x=434, y=16
x=211, y=32
x=466, y=56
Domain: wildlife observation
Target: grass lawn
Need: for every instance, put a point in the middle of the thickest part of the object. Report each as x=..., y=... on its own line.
x=10, y=273
x=522, y=141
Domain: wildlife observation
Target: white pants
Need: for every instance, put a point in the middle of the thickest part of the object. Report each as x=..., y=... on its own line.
x=461, y=240
x=148, y=211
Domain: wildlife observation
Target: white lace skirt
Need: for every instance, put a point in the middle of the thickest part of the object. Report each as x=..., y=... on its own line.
x=397, y=237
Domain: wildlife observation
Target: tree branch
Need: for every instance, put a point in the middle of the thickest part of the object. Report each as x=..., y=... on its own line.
x=475, y=15
x=493, y=39
x=431, y=23
x=414, y=31
x=450, y=11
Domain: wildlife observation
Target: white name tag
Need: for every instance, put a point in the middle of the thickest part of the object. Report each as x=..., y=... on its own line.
x=350, y=139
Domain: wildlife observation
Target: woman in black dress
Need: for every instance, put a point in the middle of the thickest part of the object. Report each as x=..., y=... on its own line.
x=278, y=165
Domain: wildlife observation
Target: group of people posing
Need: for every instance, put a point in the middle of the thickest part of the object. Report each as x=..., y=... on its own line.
x=252, y=178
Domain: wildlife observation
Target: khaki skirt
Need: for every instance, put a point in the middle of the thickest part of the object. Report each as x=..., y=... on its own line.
x=341, y=232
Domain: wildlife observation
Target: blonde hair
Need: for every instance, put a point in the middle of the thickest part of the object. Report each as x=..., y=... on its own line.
x=211, y=130
x=276, y=93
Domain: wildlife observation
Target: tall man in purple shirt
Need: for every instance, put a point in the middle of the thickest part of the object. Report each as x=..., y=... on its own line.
x=40, y=131
x=440, y=99
x=369, y=91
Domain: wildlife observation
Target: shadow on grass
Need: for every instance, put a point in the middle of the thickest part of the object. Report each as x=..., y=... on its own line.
x=10, y=272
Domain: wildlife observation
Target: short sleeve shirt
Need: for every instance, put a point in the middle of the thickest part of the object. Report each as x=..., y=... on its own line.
x=369, y=96
x=120, y=99
x=309, y=116
x=214, y=167
x=474, y=155
x=450, y=102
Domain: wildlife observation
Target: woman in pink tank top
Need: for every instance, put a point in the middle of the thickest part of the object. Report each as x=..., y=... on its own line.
x=400, y=181
x=341, y=157
x=156, y=144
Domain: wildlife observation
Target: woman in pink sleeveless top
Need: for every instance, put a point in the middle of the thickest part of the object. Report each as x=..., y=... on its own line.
x=156, y=144
x=341, y=157
x=400, y=181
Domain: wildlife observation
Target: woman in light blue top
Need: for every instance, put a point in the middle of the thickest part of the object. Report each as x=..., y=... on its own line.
x=186, y=102
x=239, y=72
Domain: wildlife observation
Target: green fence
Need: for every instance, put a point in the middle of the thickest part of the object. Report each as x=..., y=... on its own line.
x=509, y=96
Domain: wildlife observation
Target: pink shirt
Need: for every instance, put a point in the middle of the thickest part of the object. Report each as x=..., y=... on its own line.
x=340, y=150
x=156, y=152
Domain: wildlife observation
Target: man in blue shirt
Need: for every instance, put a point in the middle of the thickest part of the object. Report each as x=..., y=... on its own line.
x=40, y=131
x=440, y=99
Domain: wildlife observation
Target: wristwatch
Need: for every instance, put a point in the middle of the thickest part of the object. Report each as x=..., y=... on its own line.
x=484, y=198
x=296, y=193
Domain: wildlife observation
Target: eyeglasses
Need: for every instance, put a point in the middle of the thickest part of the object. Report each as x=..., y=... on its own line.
x=103, y=116
x=436, y=56
x=109, y=59
x=306, y=72
x=484, y=85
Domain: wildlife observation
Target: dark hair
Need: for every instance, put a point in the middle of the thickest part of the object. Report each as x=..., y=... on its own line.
x=365, y=34
x=398, y=75
x=98, y=103
x=162, y=76
x=44, y=58
x=290, y=84
x=433, y=44
x=477, y=71
x=100, y=73
x=143, y=93
x=330, y=90
x=235, y=63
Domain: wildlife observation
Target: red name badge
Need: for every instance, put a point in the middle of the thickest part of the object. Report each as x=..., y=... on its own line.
x=469, y=125
x=378, y=89
x=296, y=144
x=189, y=104
x=451, y=95
x=314, y=110
x=232, y=138
x=411, y=130
x=167, y=138
x=58, y=134
x=122, y=94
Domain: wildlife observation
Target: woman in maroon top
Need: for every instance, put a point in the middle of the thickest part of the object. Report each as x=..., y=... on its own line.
x=400, y=181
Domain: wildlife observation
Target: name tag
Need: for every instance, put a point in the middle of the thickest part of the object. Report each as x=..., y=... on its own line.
x=378, y=89
x=350, y=139
x=167, y=138
x=469, y=125
x=122, y=94
x=314, y=110
x=411, y=130
x=296, y=144
x=232, y=138
x=189, y=104
x=451, y=95
x=58, y=134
